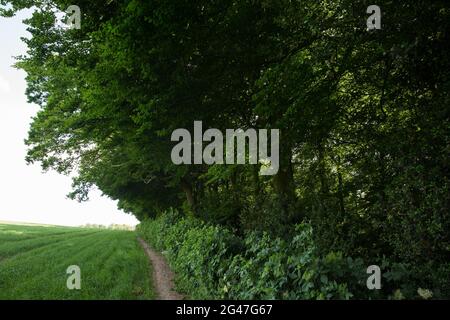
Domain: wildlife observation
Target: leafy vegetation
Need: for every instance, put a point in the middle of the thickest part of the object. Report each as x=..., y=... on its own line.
x=34, y=261
x=211, y=262
x=364, y=120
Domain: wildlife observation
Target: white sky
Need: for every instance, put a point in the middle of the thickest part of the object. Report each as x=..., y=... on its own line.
x=27, y=194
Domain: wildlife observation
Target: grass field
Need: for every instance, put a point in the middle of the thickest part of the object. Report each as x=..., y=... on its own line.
x=34, y=260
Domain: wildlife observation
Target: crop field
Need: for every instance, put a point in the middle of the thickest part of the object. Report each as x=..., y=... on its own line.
x=34, y=262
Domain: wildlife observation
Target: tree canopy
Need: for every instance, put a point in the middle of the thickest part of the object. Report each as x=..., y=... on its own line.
x=364, y=115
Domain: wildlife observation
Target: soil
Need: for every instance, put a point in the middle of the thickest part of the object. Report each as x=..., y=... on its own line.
x=162, y=275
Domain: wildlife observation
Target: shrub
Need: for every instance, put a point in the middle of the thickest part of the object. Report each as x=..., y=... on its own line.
x=212, y=263
x=197, y=252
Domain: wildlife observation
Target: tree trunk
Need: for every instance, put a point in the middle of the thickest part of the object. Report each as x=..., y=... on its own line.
x=187, y=188
x=283, y=181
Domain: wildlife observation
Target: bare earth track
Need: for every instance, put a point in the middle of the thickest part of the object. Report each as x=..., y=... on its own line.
x=162, y=275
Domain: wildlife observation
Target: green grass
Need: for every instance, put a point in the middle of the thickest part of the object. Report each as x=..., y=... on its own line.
x=34, y=260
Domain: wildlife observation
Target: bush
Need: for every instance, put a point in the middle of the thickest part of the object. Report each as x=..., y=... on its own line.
x=197, y=252
x=272, y=268
x=210, y=262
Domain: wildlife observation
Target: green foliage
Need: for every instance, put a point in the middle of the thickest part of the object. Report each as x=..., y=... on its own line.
x=272, y=268
x=364, y=120
x=197, y=251
x=212, y=263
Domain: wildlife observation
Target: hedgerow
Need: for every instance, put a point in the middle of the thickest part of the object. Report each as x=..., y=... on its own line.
x=213, y=263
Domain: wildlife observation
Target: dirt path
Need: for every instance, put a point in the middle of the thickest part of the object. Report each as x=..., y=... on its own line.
x=162, y=275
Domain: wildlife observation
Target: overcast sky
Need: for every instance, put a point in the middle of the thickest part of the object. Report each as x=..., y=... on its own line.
x=27, y=194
